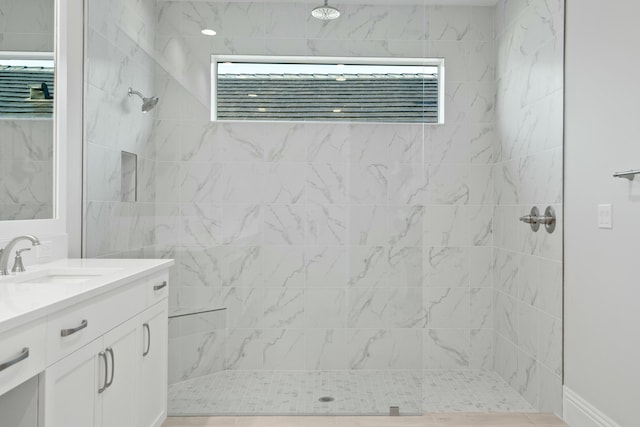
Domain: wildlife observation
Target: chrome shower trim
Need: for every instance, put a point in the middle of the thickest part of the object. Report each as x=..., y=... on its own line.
x=148, y=104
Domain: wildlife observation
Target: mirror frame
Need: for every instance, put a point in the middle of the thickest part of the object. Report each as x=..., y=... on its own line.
x=65, y=226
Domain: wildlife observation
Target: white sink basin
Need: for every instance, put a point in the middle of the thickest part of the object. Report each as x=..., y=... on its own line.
x=61, y=276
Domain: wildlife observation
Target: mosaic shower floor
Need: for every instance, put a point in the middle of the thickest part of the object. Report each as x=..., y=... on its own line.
x=354, y=393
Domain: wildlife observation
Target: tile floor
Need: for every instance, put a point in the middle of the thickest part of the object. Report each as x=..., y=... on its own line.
x=469, y=391
x=432, y=420
x=251, y=393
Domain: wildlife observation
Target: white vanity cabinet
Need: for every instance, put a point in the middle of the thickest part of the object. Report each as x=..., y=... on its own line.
x=22, y=354
x=153, y=387
x=114, y=375
x=70, y=388
x=22, y=358
x=117, y=404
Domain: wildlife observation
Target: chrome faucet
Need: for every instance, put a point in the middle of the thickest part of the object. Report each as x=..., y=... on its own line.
x=6, y=252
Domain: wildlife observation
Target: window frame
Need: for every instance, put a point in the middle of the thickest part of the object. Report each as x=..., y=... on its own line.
x=330, y=60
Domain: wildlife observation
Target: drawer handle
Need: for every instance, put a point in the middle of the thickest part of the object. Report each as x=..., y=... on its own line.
x=67, y=332
x=113, y=367
x=103, y=355
x=23, y=355
x=148, y=328
x=160, y=287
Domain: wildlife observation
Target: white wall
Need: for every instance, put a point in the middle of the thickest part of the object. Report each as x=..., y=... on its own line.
x=602, y=344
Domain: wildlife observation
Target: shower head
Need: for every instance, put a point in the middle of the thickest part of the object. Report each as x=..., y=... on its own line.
x=325, y=12
x=147, y=103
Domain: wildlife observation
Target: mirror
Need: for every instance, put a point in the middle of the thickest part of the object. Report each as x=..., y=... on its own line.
x=27, y=92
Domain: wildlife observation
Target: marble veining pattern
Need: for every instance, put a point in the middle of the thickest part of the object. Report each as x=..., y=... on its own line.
x=339, y=246
x=321, y=231
x=528, y=172
x=27, y=169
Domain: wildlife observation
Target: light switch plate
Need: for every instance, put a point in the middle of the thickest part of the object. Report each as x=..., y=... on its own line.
x=604, y=217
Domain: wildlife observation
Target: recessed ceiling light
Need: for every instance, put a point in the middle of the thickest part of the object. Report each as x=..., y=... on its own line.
x=252, y=95
x=337, y=110
x=340, y=65
x=262, y=110
x=209, y=32
x=341, y=79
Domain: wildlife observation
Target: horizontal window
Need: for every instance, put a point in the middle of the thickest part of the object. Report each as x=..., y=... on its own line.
x=26, y=85
x=327, y=89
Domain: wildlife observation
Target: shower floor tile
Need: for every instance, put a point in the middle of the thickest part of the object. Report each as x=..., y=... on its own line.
x=354, y=393
x=430, y=420
x=469, y=391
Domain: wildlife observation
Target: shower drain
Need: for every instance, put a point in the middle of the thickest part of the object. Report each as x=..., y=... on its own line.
x=326, y=399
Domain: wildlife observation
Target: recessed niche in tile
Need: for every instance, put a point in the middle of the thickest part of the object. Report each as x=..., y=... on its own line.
x=129, y=179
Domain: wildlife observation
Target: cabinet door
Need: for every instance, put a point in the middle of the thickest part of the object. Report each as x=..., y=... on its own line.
x=71, y=388
x=119, y=405
x=153, y=390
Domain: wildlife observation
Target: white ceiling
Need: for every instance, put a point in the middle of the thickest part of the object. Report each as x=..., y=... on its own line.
x=345, y=2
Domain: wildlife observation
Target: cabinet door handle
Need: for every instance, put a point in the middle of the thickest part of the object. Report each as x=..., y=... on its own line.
x=160, y=287
x=113, y=367
x=103, y=355
x=148, y=329
x=19, y=358
x=67, y=332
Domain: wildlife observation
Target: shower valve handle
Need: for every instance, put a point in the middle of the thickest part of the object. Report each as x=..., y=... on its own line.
x=529, y=219
x=534, y=219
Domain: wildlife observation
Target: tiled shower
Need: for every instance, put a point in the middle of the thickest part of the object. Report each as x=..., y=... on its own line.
x=382, y=259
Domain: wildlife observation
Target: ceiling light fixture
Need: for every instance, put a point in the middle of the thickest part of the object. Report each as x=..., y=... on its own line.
x=325, y=12
x=208, y=32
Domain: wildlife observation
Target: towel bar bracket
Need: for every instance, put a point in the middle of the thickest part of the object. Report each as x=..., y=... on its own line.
x=630, y=175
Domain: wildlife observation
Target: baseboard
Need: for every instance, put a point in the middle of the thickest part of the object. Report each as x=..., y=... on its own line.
x=580, y=413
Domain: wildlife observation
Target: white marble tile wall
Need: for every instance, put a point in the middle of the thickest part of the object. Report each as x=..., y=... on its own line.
x=332, y=246
x=119, y=39
x=196, y=344
x=26, y=172
x=528, y=172
x=26, y=25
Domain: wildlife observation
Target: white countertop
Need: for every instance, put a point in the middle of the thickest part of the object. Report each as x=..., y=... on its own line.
x=21, y=303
